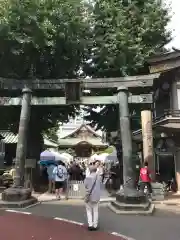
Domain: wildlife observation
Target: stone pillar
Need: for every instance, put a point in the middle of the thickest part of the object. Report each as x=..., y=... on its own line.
x=177, y=169
x=126, y=138
x=128, y=199
x=147, y=137
x=22, y=138
x=18, y=193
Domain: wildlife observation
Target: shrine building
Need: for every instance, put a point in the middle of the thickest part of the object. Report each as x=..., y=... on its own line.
x=83, y=140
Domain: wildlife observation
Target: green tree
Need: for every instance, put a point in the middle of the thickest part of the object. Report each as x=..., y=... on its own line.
x=125, y=33
x=51, y=133
x=42, y=39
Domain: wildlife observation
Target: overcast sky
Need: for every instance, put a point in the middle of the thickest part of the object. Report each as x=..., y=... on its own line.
x=175, y=24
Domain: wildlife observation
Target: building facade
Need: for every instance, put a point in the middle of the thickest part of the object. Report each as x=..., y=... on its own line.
x=8, y=143
x=83, y=140
x=166, y=116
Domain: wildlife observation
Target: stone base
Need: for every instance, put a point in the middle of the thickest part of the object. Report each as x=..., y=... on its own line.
x=16, y=194
x=132, y=205
x=17, y=197
x=132, y=210
x=131, y=199
x=18, y=204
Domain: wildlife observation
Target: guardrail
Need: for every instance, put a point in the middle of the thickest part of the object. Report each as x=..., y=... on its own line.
x=75, y=189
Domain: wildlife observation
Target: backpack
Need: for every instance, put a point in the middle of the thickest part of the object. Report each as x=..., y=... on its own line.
x=60, y=173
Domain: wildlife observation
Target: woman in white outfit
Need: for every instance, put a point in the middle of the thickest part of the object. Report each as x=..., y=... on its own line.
x=93, y=191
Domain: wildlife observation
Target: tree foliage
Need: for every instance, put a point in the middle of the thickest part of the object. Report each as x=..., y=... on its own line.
x=42, y=39
x=125, y=33
x=51, y=133
x=56, y=38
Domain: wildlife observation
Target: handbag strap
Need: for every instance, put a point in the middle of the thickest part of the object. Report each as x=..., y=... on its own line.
x=94, y=183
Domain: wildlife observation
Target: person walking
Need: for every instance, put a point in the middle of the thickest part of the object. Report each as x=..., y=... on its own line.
x=60, y=177
x=145, y=178
x=92, y=185
x=50, y=169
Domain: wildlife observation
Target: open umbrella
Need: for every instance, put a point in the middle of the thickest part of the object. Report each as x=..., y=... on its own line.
x=102, y=157
x=58, y=156
x=46, y=158
x=112, y=157
x=67, y=157
x=47, y=155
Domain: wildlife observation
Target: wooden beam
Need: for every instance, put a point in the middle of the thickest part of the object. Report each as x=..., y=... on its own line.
x=164, y=66
x=164, y=62
x=91, y=100
x=55, y=84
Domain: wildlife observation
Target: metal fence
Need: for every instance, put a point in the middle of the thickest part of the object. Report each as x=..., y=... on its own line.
x=75, y=189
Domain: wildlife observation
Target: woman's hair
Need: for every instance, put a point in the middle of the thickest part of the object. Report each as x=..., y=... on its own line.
x=61, y=163
x=146, y=164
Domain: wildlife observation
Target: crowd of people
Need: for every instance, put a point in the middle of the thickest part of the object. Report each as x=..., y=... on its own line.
x=93, y=175
x=73, y=171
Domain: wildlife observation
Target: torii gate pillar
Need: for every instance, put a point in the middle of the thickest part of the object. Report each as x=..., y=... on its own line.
x=18, y=194
x=128, y=199
x=126, y=138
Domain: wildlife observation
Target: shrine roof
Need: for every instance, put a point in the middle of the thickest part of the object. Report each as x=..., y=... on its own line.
x=163, y=57
x=76, y=141
x=164, y=62
x=11, y=138
x=85, y=126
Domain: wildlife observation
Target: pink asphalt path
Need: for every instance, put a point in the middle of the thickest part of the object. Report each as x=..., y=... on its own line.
x=16, y=226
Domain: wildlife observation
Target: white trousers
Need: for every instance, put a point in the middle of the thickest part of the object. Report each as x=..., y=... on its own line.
x=92, y=210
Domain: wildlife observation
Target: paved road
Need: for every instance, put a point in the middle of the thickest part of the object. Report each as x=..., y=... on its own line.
x=161, y=226
x=18, y=226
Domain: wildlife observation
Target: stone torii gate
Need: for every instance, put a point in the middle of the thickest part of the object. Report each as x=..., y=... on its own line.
x=73, y=89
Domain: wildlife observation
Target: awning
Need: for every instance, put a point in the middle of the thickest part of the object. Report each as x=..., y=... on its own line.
x=9, y=137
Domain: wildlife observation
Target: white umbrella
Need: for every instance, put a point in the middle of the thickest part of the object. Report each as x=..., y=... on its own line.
x=112, y=157
x=68, y=156
x=102, y=157
x=58, y=156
